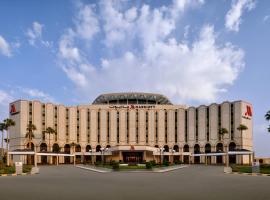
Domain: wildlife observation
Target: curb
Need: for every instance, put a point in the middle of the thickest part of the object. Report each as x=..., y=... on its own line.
x=249, y=174
x=132, y=171
x=93, y=169
x=23, y=174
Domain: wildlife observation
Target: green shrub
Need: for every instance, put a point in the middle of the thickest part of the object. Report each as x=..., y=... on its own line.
x=178, y=162
x=27, y=168
x=153, y=162
x=115, y=166
x=7, y=170
x=166, y=163
x=148, y=165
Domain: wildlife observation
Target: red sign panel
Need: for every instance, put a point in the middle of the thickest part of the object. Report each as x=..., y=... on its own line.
x=13, y=109
x=248, y=112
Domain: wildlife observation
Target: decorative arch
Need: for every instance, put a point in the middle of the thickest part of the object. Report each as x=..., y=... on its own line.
x=55, y=148
x=166, y=148
x=88, y=148
x=176, y=148
x=98, y=148
x=186, y=148
x=78, y=148
x=207, y=148
x=43, y=147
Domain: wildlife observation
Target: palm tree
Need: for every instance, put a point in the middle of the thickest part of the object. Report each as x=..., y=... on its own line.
x=30, y=133
x=8, y=123
x=73, y=144
x=242, y=128
x=267, y=117
x=2, y=128
x=222, y=132
x=50, y=130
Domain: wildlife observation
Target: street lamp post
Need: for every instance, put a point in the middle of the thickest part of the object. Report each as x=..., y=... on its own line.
x=161, y=150
x=91, y=154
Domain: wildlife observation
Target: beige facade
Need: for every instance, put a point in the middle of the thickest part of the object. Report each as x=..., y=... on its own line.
x=139, y=128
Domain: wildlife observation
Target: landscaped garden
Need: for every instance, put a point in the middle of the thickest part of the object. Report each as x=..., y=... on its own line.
x=4, y=169
x=141, y=166
x=264, y=169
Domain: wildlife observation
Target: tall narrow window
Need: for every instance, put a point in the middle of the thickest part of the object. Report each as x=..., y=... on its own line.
x=219, y=121
x=146, y=126
x=196, y=124
x=175, y=126
x=67, y=125
x=127, y=127
x=186, y=126
x=137, y=126
x=98, y=127
x=232, y=121
x=88, y=126
x=108, y=127
x=43, y=122
x=156, y=126
x=166, y=126
x=118, y=127
x=207, y=124
x=55, y=122
x=78, y=126
x=30, y=111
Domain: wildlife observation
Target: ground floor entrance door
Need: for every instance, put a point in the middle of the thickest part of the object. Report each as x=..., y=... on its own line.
x=132, y=157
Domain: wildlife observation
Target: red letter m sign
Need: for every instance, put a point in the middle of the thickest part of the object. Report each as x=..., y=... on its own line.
x=12, y=109
x=248, y=111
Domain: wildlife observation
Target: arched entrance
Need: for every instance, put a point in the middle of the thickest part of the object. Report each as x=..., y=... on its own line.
x=78, y=157
x=166, y=157
x=98, y=157
x=55, y=149
x=43, y=149
x=186, y=157
x=208, y=150
x=197, y=151
x=88, y=158
x=67, y=151
x=232, y=158
x=176, y=158
x=219, y=149
x=30, y=158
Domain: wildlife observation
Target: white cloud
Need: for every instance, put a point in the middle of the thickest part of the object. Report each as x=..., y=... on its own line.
x=34, y=33
x=35, y=94
x=233, y=17
x=5, y=99
x=152, y=58
x=4, y=47
x=86, y=22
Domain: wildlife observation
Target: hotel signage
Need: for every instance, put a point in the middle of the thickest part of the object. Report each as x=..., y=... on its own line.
x=132, y=106
x=13, y=110
x=247, y=112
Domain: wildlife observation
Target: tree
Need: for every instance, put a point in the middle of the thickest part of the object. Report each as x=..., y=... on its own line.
x=267, y=117
x=50, y=130
x=30, y=133
x=222, y=132
x=73, y=144
x=242, y=128
x=8, y=123
x=2, y=129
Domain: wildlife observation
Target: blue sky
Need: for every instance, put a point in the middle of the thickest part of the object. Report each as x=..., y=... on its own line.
x=193, y=51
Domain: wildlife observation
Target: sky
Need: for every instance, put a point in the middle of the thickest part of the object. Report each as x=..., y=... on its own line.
x=193, y=51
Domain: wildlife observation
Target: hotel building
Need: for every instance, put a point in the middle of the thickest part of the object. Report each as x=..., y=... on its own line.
x=133, y=127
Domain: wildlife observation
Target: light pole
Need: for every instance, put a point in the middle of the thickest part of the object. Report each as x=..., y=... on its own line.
x=161, y=150
x=91, y=154
x=173, y=151
x=102, y=155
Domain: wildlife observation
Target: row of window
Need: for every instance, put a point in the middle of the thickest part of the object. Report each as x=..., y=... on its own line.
x=136, y=125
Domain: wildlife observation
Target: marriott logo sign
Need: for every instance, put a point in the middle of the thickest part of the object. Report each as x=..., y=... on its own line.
x=247, y=112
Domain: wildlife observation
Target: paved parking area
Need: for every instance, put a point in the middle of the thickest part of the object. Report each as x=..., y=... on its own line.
x=194, y=182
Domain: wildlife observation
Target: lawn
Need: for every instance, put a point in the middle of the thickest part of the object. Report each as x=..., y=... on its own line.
x=264, y=169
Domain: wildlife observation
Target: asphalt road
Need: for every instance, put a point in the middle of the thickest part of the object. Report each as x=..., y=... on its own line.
x=194, y=182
